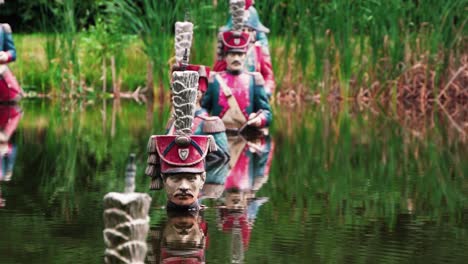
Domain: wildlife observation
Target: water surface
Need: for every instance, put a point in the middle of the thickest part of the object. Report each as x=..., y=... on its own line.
x=357, y=186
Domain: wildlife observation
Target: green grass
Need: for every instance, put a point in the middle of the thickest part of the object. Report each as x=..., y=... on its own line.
x=314, y=44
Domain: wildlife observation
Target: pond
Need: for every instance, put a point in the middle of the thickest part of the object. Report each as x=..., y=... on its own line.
x=336, y=184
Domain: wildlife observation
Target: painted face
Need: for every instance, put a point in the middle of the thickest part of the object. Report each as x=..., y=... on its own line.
x=183, y=188
x=235, y=61
x=183, y=231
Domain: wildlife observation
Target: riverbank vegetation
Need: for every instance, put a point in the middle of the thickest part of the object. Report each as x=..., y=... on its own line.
x=344, y=48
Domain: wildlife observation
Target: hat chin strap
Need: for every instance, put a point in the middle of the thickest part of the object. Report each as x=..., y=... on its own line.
x=234, y=72
x=195, y=206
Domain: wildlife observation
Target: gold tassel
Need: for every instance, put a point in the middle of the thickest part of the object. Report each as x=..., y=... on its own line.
x=213, y=125
x=212, y=144
x=156, y=183
x=153, y=159
x=150, y=170
x=151, y=145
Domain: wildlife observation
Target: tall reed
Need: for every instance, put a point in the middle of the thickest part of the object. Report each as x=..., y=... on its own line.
x=316, y=46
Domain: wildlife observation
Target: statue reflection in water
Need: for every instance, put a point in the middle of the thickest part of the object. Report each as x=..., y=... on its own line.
x=182, y=239
x=233, y=186
x=10, y=116
x=249, y=169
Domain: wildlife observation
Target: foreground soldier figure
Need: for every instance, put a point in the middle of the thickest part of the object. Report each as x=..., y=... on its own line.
x=177, y=162
x=238, y=97
x=10, y=91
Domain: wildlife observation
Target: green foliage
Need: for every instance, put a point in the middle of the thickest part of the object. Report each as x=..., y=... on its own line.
x=312, y=42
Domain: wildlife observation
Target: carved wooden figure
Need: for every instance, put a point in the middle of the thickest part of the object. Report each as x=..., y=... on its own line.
x=177, y=162
x=10, y=90
x=258, y=57
x=236, y=96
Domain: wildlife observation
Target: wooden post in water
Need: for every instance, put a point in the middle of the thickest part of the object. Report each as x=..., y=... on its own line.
x=126, y=222
x=104, y=89
x=149, y=94
x=115, y=82
x=237, y=247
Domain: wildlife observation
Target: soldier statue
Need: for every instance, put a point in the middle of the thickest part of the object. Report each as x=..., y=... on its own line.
x=177, y=162
x=10, y=90
x=258, y=57
x=238, y=97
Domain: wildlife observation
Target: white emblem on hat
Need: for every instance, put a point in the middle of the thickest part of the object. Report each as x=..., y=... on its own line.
x=184, y=153
x=237, y=41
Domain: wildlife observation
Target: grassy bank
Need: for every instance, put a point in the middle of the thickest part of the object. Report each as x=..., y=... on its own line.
x=344, y=47
x=33, y=69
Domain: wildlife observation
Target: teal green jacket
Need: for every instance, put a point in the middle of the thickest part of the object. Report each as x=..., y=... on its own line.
x=247, y=89
x=6, y=42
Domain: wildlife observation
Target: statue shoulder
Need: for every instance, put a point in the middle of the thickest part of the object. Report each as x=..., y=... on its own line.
x=204, y=71
x=262, y=48
x=7, y=28
x=265, y=51
x=258, y=78
x=212, y=124
x=212, y=76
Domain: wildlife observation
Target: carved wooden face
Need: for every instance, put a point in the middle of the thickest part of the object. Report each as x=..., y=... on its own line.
x=183, y=188
x=235, y=61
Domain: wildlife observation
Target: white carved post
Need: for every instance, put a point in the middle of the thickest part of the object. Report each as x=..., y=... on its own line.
x=237, y=10
x=184, y=90
x=183, y=40
x=126, y=222
x=130, y=173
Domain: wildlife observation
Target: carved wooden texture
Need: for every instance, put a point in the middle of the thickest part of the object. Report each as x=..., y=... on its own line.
x=237, y=10
x=183, y=39
x=126, y=224
x=184, y=90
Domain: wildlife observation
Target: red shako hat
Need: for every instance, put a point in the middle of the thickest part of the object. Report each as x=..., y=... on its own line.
x=235, y=41
x=182, y=154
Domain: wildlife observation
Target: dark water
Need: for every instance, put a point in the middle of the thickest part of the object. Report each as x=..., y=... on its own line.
x=343, y=187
